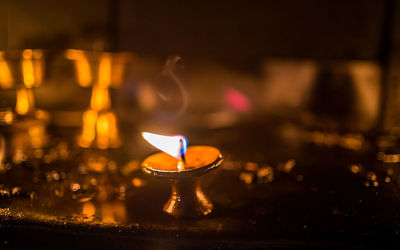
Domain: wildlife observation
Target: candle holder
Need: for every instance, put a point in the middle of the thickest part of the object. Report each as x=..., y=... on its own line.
x=101, y=71
x=187, y=198
x=23, y=70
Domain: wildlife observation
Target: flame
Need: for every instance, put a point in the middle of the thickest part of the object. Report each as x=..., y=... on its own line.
x=175, y=146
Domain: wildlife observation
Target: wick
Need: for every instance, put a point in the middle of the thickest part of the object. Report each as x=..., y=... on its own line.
x=182, y=150
x=181, y=163
x=183, y=159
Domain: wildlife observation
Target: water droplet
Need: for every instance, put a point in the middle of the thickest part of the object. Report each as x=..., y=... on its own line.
x=371, y=176
x=355, y=168
x=299, y=177
x=265, y=175
x=247, y=178
x=75, y=187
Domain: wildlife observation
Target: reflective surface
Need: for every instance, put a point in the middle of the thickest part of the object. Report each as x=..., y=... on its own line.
x=279, y=186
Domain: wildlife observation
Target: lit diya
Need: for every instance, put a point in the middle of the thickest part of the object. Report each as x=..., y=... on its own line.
x=183, y=165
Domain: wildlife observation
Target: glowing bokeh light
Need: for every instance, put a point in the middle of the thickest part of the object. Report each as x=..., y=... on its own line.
x=237, y=101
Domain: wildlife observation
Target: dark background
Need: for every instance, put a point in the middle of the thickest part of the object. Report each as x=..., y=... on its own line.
x=232, y=32
x=239, y=35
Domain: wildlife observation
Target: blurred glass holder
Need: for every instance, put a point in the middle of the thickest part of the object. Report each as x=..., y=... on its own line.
x=101, y=71
x=23, y=70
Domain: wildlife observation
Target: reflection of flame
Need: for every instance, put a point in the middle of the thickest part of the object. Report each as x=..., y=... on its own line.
x=88, y=128
x=102, y=70
x=82, y=66
x=173, y=145
x=37, y=135
x=25, y=101
x=98, y=121
x=113, y=212
x=104, y=125
x=32, y=67
x=5, y=74
x=89, y=210
x=100, y=99
x=105, y=71
x=111, y=67
x=6, y=116
x=107, y=131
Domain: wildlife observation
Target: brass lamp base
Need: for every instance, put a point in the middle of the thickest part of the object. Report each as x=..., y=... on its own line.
x=187, y=198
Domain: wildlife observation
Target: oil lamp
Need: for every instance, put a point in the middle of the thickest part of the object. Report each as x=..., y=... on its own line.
x=101, y=70
x=23, y=70
x=183, y=166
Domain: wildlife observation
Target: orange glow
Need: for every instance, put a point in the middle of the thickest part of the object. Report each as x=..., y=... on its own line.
x=366, y=77
x=354, y=168
x=107, y=132
x=6, y=116
x=99, y=69
x=25, y=101
x=38, y=72
x=107, y=213
x=117, y=73
x=2, y=152
x=137, y=182
x=97, y=164
x=37, y=135
x=32, y=67
x=102, y=127
x=89, y=210
x=112, y=212
x=181, y=165
x=207, y=205
x=100, y=99
x=195, y=157
x=6, y=80
x=82, y=67
x=105, y=71
x=27, y=69
x=88, y=129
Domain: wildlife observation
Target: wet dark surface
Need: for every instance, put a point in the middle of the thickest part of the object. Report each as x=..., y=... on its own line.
x=280, y=186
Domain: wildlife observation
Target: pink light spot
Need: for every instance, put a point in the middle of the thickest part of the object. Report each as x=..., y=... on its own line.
x=237, y=101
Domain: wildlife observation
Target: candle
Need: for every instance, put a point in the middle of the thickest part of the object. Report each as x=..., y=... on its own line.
x=182, y=165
